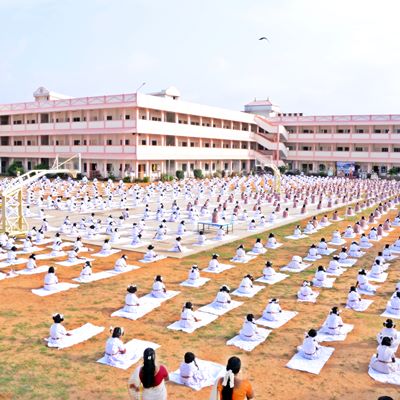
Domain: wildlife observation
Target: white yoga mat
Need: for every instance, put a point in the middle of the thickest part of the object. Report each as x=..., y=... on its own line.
x=326, y=337
x=327, y=283
x=393, y=378
x=158, y=258
x=33, y=249
x=245, y=260
x=71, y=264
x=158, y=300
x=209, y=308
x=104, y=274
x=311, y=366
x=274, y=279
x=364, y=304
x=284, y=316
x=211, y=372
x=254, y=253
x=78, y=335
x=5, y=264
x=312, y=259
x=141, y=311
x=112, y=251
x=197, y=283
x=381, y=279
x=276, y=246
x=338, y=272
x=222, y=267
x=302, y=268
x=61, y=287
x=366, y=293
x=249, y=345
x=134, y=352
x=292, y=237
x=349, y=262
x=48, y=256
x=255, y=289
x=38, y=270
x=205, y=319
x=388, y=314
x=313, y=298
x=328, y=252
x=137, y=245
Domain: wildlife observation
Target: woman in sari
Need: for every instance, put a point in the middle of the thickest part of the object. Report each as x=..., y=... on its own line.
x=148, y=380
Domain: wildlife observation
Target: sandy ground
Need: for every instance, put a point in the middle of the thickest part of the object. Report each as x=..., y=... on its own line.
x=30, y=370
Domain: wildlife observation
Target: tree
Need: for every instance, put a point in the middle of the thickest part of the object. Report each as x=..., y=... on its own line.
x=198, y=173
x=179, y=174
x=15, y=169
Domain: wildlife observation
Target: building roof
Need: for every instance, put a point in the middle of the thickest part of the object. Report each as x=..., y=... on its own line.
x=256, y=102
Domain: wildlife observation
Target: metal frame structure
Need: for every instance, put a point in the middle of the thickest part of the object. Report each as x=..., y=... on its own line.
x=13, y=219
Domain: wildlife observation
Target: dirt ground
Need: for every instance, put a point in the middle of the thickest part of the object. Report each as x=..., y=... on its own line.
x=30, y=370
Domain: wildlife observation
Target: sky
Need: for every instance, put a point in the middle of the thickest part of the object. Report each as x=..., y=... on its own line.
x=323, y=57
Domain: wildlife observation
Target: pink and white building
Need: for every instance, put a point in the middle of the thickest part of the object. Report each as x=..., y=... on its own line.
x=141, y=135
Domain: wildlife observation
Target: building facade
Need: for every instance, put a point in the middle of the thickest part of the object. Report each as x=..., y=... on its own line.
x=141, y=135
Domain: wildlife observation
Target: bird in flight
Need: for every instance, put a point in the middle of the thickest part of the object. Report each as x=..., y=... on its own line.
x=264, y=38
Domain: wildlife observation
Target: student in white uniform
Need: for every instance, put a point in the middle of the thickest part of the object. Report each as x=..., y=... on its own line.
x=213, y=265
x=364, y=242
x=178, y=248
x=272, y=311
x=297, y=231
x=310, y=349
x=50, y=279
x=353, y=299
x=188, y=317
x=384, y=361
x=313, y=253
x=333, y=325
x=201, y=239
x=220, y=233
x=86, y=271
x=334, y=267
x=393, y=306
x=58, y=333
x=249, y=331
x=354, y=250
x=271, y=242
x=115, y=349
x=31, y=264
x=268, y=270
x=363, y=282
x=387, y=253
x=258, y=247
x=189, y=371
x=223, y=298
x=305, y=292
x=240, y=255
x=246, y=285
x=389, y=330
x=320, y=277
x=377, y=270
x=323, y=247
x=159, y=290
x=296, y=263
x=194, y=273
x=121, y=265
x=396, y=244
x=150, y=254
x=11, y=255
x=106, y=248
x=132, y=302
x=349, y=232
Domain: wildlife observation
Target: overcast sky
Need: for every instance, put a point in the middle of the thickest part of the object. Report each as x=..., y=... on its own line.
x=324, y=57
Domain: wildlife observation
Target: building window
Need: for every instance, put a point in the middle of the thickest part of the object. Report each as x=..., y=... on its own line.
x=184, y=144
x=127, y=116
x=306, y=148
x=191, y=144
x=154, y=167
x=184, y=167
x=359, y=130
x=143, y=142
x=109, y=142
x=226, y=165
x=109, y=117
x=321, y=167
x=77, y=142
x=127, y=142
x=206, y=144
x=396, y=149
x=76, y=119
x=29, y=143
x=358, y=149
x=206, y=166
x=192, y=167
x=385, y=149
x=154, y=142
x=17, y=142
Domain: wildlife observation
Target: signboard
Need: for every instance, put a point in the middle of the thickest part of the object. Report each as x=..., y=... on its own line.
x=345, y=167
